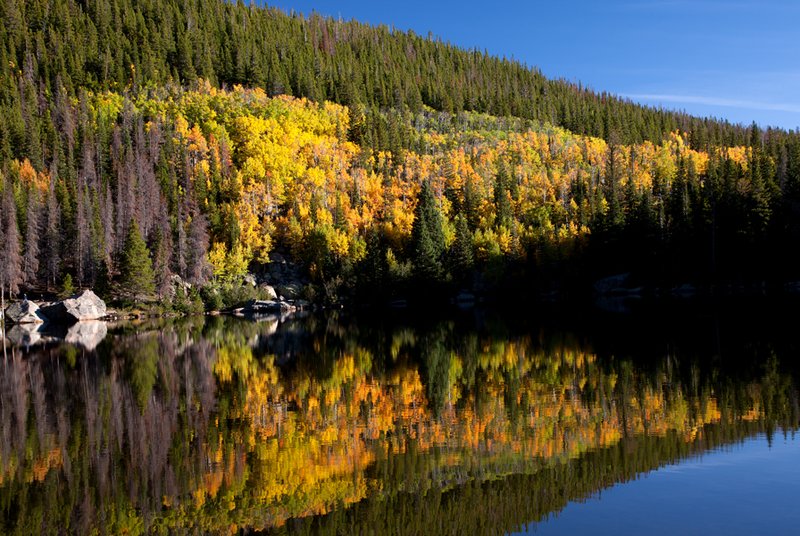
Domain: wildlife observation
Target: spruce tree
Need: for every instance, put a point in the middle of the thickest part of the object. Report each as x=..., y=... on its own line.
x=427, y=236
x=138, y=280
x=461, y=251
x=373, y=268
x=67, y=287
x=501, y=197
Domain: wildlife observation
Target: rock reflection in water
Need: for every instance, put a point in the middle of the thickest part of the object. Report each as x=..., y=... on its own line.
x=25, y=334
x=87, y=334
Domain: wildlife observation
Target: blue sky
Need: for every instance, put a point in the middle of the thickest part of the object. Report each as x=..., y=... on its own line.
x=738, y=60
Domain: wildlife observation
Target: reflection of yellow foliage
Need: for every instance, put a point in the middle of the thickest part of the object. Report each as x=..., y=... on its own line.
x=319, y=453
x=233, y=359
x=42, y=466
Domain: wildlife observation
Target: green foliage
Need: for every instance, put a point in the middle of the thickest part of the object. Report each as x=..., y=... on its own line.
x=112, y=112
x=427, y=236
x=212, y=298
x=461, y=254
x=502, y=198
x=103, y=283
x=187, y=303
x=86, y=47
x=142, y=364
x=137, y=281
x=67, y=287
x=220, y=296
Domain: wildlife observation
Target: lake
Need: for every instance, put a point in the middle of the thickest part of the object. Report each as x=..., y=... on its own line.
x=670, y=420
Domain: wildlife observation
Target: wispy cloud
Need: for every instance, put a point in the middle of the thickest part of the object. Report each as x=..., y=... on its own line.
x=701, y=5
x=714, y=101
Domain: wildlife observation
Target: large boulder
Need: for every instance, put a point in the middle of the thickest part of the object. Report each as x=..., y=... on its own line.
x=289, y=291
x=266, y=307
x=268, y=291
x=25, y=312
x=84, y=306
x=175, y=282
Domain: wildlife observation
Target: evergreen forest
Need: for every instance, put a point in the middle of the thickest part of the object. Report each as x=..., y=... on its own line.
x=144, y=140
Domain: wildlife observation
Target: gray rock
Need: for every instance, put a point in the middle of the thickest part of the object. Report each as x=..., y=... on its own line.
x=289, y=291
x=266, y=307
x=84, y=306
x=268, y=291
x=250, y=280
x=25, y=312
x=274, y=272
x=176, y=282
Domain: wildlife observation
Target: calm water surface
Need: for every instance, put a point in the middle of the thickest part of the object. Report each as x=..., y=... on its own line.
x=655, y=423
x=749, y=488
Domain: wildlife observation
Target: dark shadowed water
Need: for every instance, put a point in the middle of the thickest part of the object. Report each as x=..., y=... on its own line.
x=660, y=422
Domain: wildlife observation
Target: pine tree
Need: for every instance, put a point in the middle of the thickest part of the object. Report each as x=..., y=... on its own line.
x=501, y=197
x=67, y=287
x=471, y=203
x=102, y=285
x=427, y=236
x=461, y=250
x=138, y=280
x=372, y=274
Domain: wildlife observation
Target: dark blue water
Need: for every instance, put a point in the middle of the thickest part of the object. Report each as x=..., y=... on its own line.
x=749, y=488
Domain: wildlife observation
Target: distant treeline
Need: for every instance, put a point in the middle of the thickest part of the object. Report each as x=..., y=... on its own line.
x=69, y=45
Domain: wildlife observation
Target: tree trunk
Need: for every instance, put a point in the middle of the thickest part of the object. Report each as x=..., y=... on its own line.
x=3, y=320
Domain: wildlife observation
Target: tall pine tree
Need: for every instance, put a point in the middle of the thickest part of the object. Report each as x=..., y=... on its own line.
x=427, y=236
x=138, y=280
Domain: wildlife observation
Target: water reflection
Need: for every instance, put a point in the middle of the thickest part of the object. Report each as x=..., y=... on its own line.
x=321, y=425
x=86, y=334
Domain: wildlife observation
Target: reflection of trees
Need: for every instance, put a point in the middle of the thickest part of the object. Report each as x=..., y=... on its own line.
x=98, y=443
x=207, y=426
x=499, y=506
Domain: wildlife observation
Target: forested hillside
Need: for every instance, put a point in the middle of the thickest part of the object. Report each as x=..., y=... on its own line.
x=118, y=44
x=198, y=137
